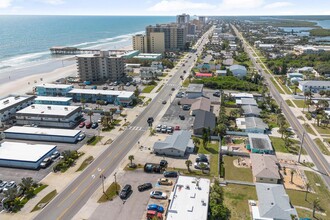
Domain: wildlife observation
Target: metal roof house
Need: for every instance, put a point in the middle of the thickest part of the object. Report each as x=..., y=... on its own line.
x=23, y=155
x=251, y=125
x=251, y=110
x=177, y=145
x=259, y=143
x=246, y=101
x=203, y=120
x=265, y=168
x=238, y=71
x=273, y=203
x=189, y=199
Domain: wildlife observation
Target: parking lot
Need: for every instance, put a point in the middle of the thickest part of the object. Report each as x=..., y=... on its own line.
x=134, y=207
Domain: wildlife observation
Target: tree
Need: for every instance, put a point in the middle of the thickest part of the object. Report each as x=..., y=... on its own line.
x=203, y=166
x=295, y=87
x=221, y=129
x=188, y=164
x=190, y=77
x=282, y=129
x=308, y=186
x=292, y=172
x=90, y=114
x=318, y=118
x=321, y=93
x=196, y=141
x=27, y=186
x=316, y=204
x=217, y=208
x=131, y=158
x=83, y=101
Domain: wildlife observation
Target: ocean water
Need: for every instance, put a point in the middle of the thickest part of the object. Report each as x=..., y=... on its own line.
x=25, y=40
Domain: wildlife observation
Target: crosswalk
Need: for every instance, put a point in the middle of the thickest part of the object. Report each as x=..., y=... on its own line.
x=135, y=128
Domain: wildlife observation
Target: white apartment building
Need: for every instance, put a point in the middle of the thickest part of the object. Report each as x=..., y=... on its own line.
x=57, y=116
x=11, y=104
x=100, y=67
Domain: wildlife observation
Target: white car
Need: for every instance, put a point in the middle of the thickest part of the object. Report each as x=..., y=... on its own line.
x=198, y=165
x=81, y=137
x=159, y=128
x=158, y=195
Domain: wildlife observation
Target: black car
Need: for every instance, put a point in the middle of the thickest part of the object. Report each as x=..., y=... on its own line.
x=125, y=191
x=181, y=117
x=163, y=163
x=95, y=125
x=144, y=186
x=202, y=159
x=170, y=174
x=216, y=94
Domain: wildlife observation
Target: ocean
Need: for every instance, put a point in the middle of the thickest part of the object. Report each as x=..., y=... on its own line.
x=25, y=40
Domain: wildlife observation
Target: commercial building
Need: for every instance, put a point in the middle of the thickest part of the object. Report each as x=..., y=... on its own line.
x=202, y=20
x=140, y=43
x=238, y=71
x=251, y=125
x=194, y=91
x=11, y=104
x=100, y=67
x=49, y=116
x=314, y=86
x=273, y=203
x=123, y=98
x=22, y=155
x=175, y=36
x=259, y=143
x=178, y=144
x=203, y=120
x=183, y=19
x=50, y=100
x=53, y=89
x=265, y=168
x=311, y=49
x=148, y=56
x=189, y=199
x=42, y=134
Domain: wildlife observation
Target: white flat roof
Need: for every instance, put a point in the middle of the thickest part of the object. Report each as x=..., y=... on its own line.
x=120, y=94
x=51, y=98
x=43, y=131
x=55, y=86
x=242, y=95
x=24, y=152
x=40, y=109
x=189, y=201
x=12, y=100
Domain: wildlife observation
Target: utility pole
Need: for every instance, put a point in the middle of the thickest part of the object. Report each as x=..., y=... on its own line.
x=115, y=175
x=302, y=142
x=102, y=179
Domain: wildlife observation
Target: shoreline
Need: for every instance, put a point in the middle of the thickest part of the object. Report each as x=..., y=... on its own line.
x=25, y=80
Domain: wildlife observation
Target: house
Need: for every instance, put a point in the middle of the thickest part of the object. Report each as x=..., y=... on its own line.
x=273, y=203
x=251, y=110
x=314, y=86
x=205, y=68
x=265, y=168
x=246, y=101
x=241, y=95
x=305, y=69
x=295, y=75
x=238, y=71
x=200, y=104
x=203, y=120
x=178, y=144
x=251, y=125
x=259, y=143
x=158, y=65
x=203, y=75
x=228, y=62
x=221, y=72
x=194, y=91
x=150, y=72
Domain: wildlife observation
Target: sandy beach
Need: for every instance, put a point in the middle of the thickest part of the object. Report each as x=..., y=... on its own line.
x=26, y=84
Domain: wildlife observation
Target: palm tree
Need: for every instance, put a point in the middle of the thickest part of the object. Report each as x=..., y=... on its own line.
x=295, y=87
x=321, y=93
x=308, y=186
x=188, y=164
x=131, y=158
x=196, y=141
x=190, y=77
x=316, y=204
x=83, y=101
x=90, y=114
x=318, y=118
x=292, y=172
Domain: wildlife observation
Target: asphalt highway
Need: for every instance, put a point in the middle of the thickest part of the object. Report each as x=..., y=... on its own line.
x=309, y=145
x=68, y=202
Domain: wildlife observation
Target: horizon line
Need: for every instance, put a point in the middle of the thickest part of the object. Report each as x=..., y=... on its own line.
x=158, y=15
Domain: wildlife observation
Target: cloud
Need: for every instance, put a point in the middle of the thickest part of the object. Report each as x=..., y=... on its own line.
x=237, y=4
x=278, y=5
x=178, y=5
x=5, y=3
x=53, y=2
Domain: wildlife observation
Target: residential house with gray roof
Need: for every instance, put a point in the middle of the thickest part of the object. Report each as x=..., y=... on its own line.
x=251, y=111
x=265, y=168
x=251, y=125
x=203, y=120
x=238, y=71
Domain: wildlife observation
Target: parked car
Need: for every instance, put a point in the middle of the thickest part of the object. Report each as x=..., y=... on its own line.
x=128, y=84
x=3, y=185
x=105, y=88
x=201, y=156
x=151, y=215
x=95, y=125
x=164, y=129
x=164, y=102
x=144, y=186
x=163, y=163
x=46, y=162
x=88, y=125
x=165, y=181
x=156, y=207
x=169, y=129
x=125, y=191
x=186, y=107
x=112, y=88
x=173, y=89
x=99, y=120
x=202, y=159
x=81, y=137
x=216, y=94
x=82, y=124
x=158, y=195
x=170, y=174
x=198, y=165
x=10, y=185
x=55, y=155
x=182, y=117
x=177, y=128
x=159, y=128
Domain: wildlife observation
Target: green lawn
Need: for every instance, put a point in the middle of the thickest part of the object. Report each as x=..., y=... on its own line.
x=95, y=140
x=322, y=147
x=110, y=193
x=85, y=163
x=185, y=83
x=211, y=148
x=289, y=102
x=38, y=189
x=44, y=201
x=160, y=87
x=214, y=160
x=299, y=103
x=279, y=146
x=234, y=173
x=322, y=130
x=277, y=86
x=236, y=199
x=321, y=192
x=301, y=118
x=309, y=129
x=148, y=89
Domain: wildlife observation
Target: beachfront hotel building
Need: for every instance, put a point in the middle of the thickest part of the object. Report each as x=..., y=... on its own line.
x=48, y=89
x=174, y=35
x=183, y=18
x=100, y=67
x=11, y=104
x=57, y=116
x=140, y=43
x=51, y=100
x=123, y=98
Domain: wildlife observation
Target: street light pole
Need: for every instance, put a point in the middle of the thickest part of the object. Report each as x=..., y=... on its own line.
x=102, y=179
x=302, y=142
x=115, y=175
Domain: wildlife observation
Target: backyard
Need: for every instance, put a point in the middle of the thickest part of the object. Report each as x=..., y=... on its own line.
x=235, y=173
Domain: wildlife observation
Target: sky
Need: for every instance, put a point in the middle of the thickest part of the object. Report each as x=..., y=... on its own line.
x=165, y=7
